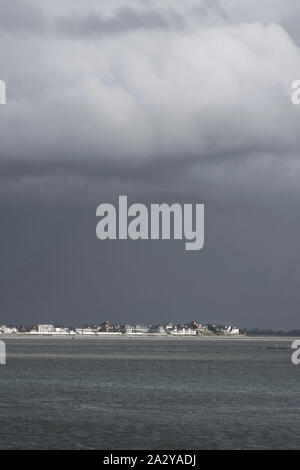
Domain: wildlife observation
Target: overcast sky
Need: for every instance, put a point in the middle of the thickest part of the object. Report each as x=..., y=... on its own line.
x=165, y=101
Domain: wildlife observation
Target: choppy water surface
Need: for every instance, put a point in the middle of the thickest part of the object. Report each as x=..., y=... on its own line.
x=149, y=393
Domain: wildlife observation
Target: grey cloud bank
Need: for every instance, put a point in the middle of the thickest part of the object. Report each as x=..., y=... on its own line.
x=163, y=101
x=125, y=19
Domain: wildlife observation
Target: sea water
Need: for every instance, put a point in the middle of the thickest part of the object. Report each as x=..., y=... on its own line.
x=149, y=393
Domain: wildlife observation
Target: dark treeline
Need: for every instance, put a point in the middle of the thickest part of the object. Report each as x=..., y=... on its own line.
x=258, y=332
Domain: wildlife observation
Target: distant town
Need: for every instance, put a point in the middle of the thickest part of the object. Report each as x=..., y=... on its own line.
x=192, y=328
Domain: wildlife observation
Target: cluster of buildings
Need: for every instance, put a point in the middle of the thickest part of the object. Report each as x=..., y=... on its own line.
x=8, y=330
x=192, y=328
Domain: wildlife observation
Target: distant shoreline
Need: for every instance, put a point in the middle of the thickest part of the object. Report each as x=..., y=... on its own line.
x=149, y=336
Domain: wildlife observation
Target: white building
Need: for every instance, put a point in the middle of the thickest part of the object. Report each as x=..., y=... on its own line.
x=85, y=331
x=7, y=330
x=235, y=331
x=232, y=330
x=45, y=329
x=141, y=328
x=183, y=332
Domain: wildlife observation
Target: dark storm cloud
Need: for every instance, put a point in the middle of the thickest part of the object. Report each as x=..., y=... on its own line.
x=207, y=101
x=197, y=111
